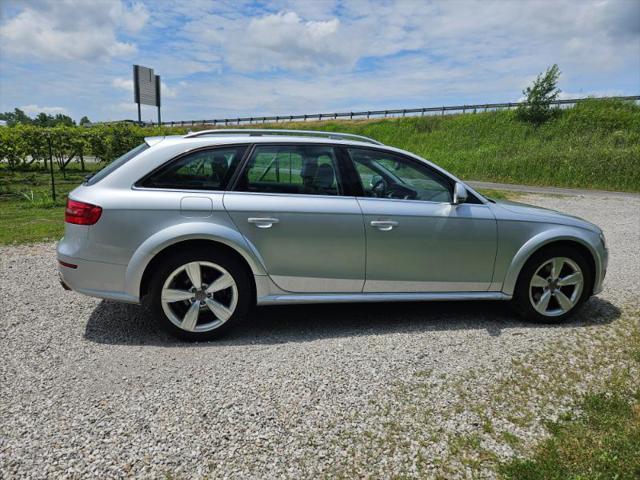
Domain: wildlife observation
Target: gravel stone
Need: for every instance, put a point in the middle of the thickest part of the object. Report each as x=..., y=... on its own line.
x=91, y=388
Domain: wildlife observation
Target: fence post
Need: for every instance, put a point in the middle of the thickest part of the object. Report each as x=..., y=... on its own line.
x=53, y=183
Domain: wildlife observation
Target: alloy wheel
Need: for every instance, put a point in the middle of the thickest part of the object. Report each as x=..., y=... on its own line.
x=199, y=296
x=556, y=286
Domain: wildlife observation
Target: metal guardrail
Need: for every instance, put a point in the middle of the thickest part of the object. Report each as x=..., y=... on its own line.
x=370, y=113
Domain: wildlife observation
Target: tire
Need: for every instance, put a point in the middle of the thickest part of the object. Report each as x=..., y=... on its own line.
x=561, y=296
x=224, y=297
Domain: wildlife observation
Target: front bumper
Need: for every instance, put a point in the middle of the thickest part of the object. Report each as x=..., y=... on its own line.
x=601, y=270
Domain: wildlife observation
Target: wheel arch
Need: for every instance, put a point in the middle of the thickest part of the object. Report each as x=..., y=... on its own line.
x=163, y=243
x=543, y=241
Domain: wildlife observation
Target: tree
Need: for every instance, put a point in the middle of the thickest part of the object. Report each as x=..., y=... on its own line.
x=85, y=121
x=62, y=119
x=44, y=120
x=540, y=94
x=16, y=117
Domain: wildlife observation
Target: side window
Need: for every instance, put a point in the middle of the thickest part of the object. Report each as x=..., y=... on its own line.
x=386, y=175
x=296, y=169
x=201, y=170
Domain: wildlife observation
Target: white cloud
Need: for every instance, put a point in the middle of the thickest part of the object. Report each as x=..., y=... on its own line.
x=123, y=84
x=166, y=91
x=284, y=40
x=33, y=110
x=72, y=30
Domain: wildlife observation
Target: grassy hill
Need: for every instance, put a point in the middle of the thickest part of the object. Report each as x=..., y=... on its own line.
x=593, y=145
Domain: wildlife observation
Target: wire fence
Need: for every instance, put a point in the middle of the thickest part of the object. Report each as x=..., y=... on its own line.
x=443, y=110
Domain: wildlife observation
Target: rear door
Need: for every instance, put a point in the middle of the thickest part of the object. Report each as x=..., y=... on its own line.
x=289, y=202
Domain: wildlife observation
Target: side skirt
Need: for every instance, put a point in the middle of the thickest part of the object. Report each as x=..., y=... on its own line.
x=295, y=298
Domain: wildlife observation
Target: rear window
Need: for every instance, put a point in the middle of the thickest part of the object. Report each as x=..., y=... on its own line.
x=209, y=169
x=115, y=164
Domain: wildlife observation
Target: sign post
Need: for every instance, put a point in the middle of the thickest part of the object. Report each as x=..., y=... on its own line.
x=146, y=89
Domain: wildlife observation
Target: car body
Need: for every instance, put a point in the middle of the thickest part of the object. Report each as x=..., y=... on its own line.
x=312, y=217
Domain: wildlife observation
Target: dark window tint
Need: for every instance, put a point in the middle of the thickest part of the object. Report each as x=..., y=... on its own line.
x=201, y=170
x=297, y=169
x=118, y=162
x=386, y=175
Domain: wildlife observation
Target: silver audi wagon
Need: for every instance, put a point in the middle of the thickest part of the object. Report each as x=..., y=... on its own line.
x=204, y=226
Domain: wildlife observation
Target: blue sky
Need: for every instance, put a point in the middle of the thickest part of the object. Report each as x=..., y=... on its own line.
x=229, y=58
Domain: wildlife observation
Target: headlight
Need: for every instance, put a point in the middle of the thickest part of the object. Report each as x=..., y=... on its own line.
x=603, y=240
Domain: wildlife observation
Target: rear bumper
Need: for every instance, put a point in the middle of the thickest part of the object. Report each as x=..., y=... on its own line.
x=96, y=279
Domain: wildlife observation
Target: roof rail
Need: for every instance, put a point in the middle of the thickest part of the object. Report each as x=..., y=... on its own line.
x=258, y=132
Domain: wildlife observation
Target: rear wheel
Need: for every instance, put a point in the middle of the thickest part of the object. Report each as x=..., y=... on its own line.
x=200, y=295
x=552, y=285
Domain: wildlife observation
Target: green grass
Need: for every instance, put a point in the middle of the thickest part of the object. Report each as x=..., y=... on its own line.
x=21, y=223
x=593, y=145
x=599, y=439
x=27, y=212
x=602, y=442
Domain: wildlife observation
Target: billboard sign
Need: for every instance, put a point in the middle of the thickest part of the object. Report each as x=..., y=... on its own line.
x=146, y=86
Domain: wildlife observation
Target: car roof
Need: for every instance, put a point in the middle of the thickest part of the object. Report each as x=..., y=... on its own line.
x=237, y=139
x=233, y=136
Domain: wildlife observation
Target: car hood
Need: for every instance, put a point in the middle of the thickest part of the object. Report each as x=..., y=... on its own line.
x=508, y=210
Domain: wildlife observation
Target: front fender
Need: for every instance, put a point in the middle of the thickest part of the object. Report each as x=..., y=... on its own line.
x=546, y=237
x=179, y=233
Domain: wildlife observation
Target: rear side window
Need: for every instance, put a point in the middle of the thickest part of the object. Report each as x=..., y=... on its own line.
x=202, y=170
x=296, y=169
x=115, y=164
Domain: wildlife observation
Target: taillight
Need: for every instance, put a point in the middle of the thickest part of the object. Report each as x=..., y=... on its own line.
x=81, y=213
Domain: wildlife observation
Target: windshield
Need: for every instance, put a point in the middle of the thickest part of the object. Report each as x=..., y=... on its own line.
x=115, y=164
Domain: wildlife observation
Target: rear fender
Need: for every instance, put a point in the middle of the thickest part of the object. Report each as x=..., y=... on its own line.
x=187, y=231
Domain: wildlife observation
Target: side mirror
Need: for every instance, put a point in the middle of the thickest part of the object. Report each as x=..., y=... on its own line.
x=459, y=194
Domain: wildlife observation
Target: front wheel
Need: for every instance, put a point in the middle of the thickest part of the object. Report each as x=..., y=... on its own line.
x=200, y=295
x=552, y=285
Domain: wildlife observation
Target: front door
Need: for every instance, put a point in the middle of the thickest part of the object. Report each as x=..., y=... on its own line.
x=417, y=240
x=289, y=204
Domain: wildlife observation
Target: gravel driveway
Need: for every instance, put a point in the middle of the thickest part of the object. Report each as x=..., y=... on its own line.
x=90, y=388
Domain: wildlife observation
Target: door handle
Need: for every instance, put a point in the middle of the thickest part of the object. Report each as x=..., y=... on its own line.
x=262, y=222
x=384, y=225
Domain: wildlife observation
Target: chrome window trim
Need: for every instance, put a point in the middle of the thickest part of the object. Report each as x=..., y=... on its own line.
x=418, y=201
x=292, y=195
x=298, y=195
